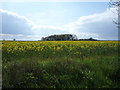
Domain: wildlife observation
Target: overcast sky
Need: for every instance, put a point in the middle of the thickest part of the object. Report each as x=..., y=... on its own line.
x=33, y=20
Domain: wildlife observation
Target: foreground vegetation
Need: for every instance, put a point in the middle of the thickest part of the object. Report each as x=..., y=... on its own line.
x=60, y=64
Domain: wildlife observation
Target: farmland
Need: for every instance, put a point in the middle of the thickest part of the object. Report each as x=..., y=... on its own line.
x=60, y=64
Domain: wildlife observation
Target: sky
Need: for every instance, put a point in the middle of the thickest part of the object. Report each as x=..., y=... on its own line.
x=33, y=20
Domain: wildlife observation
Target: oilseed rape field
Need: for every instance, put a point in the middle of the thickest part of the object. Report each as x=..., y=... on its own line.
x=60, y=64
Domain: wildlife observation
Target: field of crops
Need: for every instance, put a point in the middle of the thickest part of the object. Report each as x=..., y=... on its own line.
x=60, y=64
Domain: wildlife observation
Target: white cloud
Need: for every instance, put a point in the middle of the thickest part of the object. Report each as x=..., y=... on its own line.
x=99, y=26
x=15, y=24
x=46, y=29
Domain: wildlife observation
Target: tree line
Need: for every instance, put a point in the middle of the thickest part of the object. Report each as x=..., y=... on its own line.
x=65, y=37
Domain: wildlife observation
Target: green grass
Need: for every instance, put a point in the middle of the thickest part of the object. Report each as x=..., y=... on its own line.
x=95, y=66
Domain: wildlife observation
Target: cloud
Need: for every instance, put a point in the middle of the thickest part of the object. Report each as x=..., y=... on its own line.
x=15, y=24
x=99, y=26
x=48, y=30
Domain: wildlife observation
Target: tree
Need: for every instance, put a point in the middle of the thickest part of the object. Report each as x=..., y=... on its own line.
x=62, y=37
x=116, y=5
